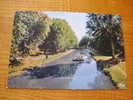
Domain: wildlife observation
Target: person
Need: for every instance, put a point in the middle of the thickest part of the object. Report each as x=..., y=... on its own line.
x=46, y=56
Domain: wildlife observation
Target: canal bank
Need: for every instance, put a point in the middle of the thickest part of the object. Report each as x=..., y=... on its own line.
x=114, y=69
x=62, y=75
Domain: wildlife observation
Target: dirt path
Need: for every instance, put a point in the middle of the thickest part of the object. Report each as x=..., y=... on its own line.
x=67, y=59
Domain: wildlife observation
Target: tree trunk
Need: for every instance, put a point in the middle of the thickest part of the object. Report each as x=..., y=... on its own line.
x=113, y=49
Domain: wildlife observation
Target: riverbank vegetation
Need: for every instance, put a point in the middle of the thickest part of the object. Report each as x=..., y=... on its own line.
x=104, y=39
x=39, y=39
x=35, y=35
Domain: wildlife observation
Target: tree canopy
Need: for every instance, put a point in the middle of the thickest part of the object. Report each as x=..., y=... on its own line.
x=33, y=30
x=105, y=34
x=60, y=37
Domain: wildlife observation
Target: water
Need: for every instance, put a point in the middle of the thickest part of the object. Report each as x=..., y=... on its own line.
x=87, y=76
x=76, y=75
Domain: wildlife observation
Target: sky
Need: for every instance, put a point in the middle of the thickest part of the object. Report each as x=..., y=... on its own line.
x=77, y=21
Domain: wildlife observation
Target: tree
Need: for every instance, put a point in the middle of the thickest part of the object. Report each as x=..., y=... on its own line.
x=105, y=33
x=60, y=37
x=35, y=29
x=29, y=29
x=84, y=42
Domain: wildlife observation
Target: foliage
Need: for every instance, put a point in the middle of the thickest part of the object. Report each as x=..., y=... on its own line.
x=26, y=31
x=105, y=34
x=15, y=62
x=60, y=37
x=84, y=42
x=35, y=29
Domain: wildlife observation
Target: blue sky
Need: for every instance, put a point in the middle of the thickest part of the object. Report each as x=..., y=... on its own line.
x=77, y=21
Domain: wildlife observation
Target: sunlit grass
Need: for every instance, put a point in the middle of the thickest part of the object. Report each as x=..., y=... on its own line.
x=118, y=73
x=102, y=57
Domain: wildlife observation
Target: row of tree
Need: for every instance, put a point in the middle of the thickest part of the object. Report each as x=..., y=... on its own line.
x=60, y=38
x=104, y=34
x=35, y=31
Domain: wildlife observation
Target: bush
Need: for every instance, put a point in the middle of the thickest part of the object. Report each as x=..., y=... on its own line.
x=14, y=62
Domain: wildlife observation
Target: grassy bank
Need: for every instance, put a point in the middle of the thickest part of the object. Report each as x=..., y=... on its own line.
x=117, y=72
x=32, y=61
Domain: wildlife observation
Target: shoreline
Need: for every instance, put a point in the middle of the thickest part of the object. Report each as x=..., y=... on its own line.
x=38, y=61
x=111, y=70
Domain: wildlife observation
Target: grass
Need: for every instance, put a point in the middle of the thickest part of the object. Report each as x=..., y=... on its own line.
x=118, y=74
x=102, y=57
x=31, y=61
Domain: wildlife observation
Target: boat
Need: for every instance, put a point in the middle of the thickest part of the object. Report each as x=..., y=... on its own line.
x=78, y=58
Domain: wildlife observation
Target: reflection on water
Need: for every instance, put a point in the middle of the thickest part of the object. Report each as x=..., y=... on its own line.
x=59, y=70
x=88, y=77
x=77, y=75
